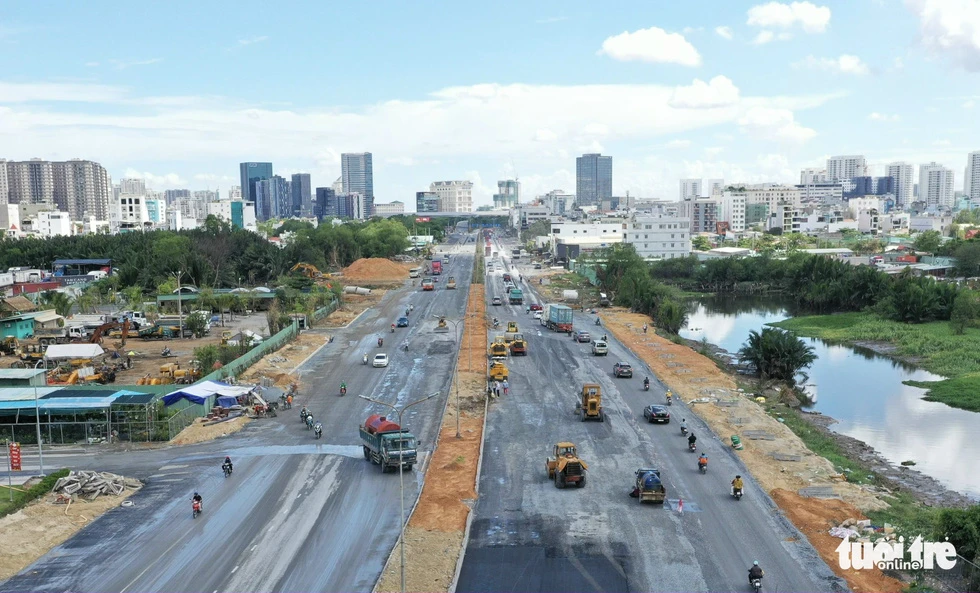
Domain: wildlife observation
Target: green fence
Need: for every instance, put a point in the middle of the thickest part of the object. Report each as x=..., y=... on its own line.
x=241, y=363
x=324, y=311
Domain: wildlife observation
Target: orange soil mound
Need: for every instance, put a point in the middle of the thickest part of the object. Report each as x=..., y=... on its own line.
x=376, y=269
x=814, y=517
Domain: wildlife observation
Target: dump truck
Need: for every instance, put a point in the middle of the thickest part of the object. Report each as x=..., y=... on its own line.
x=515, y=296
x=590, y=406
x=603, y=300
x=565, y=467
x=436, y=267
x=649, y=486
x=451, y=283
x=518, y=347
x=498, y=371
x=498, y=349
x=387, y=444
x=557, y=318
x=428, y=284
x=61, y=335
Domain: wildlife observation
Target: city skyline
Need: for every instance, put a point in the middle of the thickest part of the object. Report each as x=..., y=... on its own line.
x=754, y=92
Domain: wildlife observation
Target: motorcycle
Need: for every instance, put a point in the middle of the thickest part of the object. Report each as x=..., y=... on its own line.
x=317, y=430
x=757, y=585
x=309, y=422
x=646, y=386
x=343, y=391
x=303, y=414
x=365, y=359
x=692, y=446
x=381, y=342
x=703, y=467
x=737, y=493
x=166, y=352
x=392, y=328
x=197, y=508
x=227, y=469
x=669, y=400
x=597, y=322
x=683, y=430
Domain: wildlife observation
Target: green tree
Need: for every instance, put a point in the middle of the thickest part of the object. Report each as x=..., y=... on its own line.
x=59, y=301
x=670, y=316
x=700, y=243
x=927, y=241
x=964, y=311
x=777, y=354
x=206, y=356
x=538, y=228
x=968, y=259
x=196, y=324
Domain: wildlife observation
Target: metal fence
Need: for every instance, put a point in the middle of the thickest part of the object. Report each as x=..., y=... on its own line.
x=241, y=363
x=324, y=311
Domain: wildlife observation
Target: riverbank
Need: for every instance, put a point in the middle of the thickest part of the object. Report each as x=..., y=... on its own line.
x=932, y=346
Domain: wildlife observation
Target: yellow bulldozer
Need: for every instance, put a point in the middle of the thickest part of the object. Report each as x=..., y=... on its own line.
x=498, y=349
x=590, y=406
x=498, y=371
x=565, y=468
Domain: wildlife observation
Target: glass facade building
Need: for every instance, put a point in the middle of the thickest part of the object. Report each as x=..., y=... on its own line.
x=593, y=179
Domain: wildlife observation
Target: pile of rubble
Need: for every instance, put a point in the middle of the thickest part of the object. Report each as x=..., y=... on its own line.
x=89, y=485
x=861, y=530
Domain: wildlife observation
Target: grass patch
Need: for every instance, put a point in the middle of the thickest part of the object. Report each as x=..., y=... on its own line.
x=478, y=264
x=22, y=498
x=908, y=516
x=933, y=346
x=822, y=444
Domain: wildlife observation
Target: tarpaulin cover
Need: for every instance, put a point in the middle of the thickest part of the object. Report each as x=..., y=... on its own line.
x=73, y=351
x=200, y=393
x=227, y=401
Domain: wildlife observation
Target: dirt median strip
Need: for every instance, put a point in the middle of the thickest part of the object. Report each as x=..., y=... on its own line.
x=713, y=396
x=435, y=534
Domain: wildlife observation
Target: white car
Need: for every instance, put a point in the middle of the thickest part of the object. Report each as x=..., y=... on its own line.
x=380, y=360
x=537, y=315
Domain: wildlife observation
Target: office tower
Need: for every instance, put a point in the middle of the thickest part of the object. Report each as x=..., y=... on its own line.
x=593, y=179
x=273, y=199
x=454, y=196
x=844, y=168
x=173, y=195
x=302, y=198
x=132, y=187
x=690, y=189
x=426, y=201
x=326, y=203
x=902, y=174
x=508, y=194
x=936, y=185
x=252, y=173
x=971, y=184
x=357, y=175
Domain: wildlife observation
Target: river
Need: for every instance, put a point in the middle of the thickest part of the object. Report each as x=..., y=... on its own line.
x=863, y=391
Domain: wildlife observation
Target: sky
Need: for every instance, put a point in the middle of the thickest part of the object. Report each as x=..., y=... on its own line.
x=179, y=93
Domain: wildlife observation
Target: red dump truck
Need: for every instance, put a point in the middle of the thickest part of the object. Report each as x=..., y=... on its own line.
x=387, y=444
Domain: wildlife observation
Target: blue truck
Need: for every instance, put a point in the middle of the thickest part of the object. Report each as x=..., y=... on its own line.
x=557, y=318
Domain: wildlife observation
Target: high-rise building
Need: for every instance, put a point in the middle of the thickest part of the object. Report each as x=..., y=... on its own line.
x=235, y=192
x=252, y=173
x=30, y=182
x=133, y=187
x=902, y=174
x=871, y=186
x=272, y=198
x=936, y=185
x=593, y=179
x=173, y=195
x=715, y=187
x=454, y=196
x=690, y=189
x=971, y=184
x=357, y=175
x=326, y=203
x=426, y=201
x=843, y=168
x=4, y=191
x=302, y=197
x=813, y=176
x=77, y=187
x=508, y=194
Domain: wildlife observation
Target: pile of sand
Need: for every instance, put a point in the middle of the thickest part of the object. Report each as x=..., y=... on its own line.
x=200, y=432
x=375, y=269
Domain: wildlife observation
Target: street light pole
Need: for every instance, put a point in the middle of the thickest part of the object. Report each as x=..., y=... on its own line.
x=401, y=469
x=37, y=417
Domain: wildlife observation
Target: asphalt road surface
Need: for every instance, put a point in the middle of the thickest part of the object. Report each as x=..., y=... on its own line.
x=298, y=514
x=527, y=535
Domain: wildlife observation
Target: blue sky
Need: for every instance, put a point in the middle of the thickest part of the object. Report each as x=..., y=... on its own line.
x=181, y=92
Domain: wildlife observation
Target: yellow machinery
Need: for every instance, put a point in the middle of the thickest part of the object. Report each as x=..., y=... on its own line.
x=512, y=327
x=591, y=405
x=498, y=349
x=308, y=270
x=225, y=336
x=451, y=284
x=9, y=345
x=442, y=327
x=498, y=371
x=518, y=347
x=565, y=467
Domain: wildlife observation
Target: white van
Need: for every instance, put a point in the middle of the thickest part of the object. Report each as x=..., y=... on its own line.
x=414, y=272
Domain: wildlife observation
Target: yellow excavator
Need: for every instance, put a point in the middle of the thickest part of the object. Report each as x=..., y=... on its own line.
x=308, y=270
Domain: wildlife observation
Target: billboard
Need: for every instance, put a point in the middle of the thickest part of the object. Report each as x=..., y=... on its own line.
x=422, y=219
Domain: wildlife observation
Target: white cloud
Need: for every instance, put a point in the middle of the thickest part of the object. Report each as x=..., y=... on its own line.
x=810, y=17
x=158, y=182
x=253, y=40
x=845, y=64
x=48, y=91
x=689, y=30
x=951, y=28
x=969, y=104
x=764, y=37
x=774, y=124
x=678, y=144
x=713, y=151
x=725, y=32
x=123, y=64
x=651, y=45
x=875, y=116
x=719, y=92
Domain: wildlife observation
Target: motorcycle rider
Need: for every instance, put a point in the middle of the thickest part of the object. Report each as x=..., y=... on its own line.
x=683, y=425
x=646, y=383
x=737, y=485
x=381, y=341
x=691, y=440
x=197, y=498
x=318, y=429
x=702, y=460
x=304, y=413
x=670, y=395
x=365, y=359
x=597, y=322
x=756, y=572
x=227, y=464
x=343, y=386
x=392, y=328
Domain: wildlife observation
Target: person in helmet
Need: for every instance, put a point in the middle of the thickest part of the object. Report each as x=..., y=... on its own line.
x=702, y=460
x=756, y=572
x=227, y=464
x=737, y=485
x=692, y=439
x=197, y=498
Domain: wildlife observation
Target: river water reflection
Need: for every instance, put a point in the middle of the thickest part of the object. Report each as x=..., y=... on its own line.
x=864, y=392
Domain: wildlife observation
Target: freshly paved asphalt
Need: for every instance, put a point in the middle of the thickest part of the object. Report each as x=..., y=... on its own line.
x=528, y=535
x=298, y=514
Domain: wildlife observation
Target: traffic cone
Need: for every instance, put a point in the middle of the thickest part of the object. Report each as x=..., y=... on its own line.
x=680, y=505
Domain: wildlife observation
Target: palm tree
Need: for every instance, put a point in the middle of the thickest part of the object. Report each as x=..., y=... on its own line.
x=61, y=302
x=777, y=354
